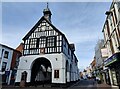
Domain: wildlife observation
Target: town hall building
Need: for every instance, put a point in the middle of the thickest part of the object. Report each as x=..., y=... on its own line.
x=47, y=55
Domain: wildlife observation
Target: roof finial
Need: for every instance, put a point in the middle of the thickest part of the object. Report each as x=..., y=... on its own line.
x=47, y=13
x=47, y=4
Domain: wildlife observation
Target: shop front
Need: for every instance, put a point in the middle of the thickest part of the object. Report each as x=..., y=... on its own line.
x=113, y=64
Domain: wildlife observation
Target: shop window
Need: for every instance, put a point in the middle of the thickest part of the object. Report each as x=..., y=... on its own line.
x=56, y=73
x=6, y=54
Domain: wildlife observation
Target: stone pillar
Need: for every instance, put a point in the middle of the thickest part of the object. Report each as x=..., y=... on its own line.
x=64, y=75
x=104, y=78
x=110, y=77
x=68, y=76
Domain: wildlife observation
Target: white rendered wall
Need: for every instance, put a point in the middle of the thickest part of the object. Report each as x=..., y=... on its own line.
x=57, y=62
x=7, y=60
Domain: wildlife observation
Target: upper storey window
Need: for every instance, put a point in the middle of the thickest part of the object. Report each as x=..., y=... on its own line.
x=33, y=43
x=42, y=43
x=6, y=54
x=51, y=41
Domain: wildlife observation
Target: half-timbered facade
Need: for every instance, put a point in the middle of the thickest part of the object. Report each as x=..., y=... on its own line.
x=47, y=55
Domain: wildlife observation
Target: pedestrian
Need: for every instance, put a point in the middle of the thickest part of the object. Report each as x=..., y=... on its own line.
x=35, y=83
x=43, y=83
x=93, y=82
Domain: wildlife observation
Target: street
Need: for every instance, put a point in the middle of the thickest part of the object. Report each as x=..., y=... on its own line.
x=85, y=83
x=90, y=84
x=82, y=84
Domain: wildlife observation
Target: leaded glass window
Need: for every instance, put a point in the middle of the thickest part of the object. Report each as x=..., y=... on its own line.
x=42, y=42
x=51, y=41
x=33, y=43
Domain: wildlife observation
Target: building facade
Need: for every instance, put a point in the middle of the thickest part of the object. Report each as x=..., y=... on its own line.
x=93, y=67
x=111, y=31
x=100, y=55
x=47, y=55
x=8, y=57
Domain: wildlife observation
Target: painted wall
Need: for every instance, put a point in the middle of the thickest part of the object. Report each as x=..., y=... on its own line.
x=7, y=60
x=58, y=62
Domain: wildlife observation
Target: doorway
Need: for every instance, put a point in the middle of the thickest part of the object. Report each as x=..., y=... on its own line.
x=41, y=71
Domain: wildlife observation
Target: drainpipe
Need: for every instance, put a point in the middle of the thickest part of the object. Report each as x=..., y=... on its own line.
x=9, y=78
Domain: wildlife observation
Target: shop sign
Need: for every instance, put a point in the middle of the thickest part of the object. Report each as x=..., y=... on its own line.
x=111, y=59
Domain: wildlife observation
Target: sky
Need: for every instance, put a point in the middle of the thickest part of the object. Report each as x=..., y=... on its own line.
x=81, y=22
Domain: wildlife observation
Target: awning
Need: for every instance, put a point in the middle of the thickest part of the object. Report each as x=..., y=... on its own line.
x=115, y=57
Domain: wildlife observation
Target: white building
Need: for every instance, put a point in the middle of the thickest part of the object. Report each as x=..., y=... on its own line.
x=5, y=63
x=47, y=55
x=8, y=64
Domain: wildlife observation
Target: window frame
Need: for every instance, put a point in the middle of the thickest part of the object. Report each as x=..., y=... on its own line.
x=56, y=73
x=51, y=41
x=4, y=65
x=6, y=54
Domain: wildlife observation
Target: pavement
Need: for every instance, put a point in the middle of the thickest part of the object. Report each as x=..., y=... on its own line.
x=91, y=84
x=82, y=84
x=106, y=86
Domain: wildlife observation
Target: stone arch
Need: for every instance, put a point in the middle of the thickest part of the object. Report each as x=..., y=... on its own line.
x=41, y=70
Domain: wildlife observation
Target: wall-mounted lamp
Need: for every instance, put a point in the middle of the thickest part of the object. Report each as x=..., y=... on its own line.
x=25, y=60
x=56, y=59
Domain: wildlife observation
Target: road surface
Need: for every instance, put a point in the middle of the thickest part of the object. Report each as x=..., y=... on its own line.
x=82, y=84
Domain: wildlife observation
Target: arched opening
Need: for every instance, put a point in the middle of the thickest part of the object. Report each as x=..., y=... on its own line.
x=41, y=71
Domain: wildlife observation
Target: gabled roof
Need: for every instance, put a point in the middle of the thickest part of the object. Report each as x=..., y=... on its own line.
x=20, y=47
x=36, y=25
x=9, y=47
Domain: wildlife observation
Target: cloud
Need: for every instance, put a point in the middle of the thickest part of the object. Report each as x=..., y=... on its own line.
x=55, y=1
x=12, y=35
x=82, y=35
x=80, y=22
x=0, y=22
